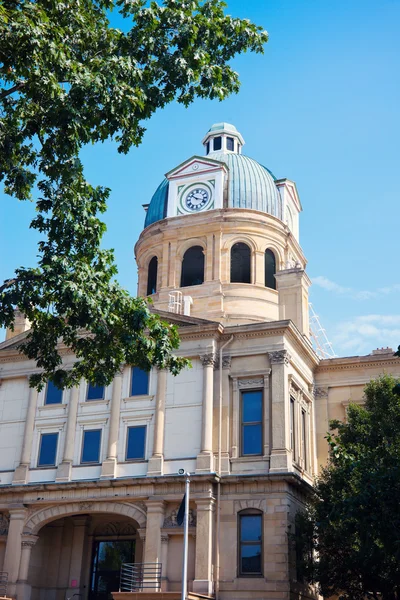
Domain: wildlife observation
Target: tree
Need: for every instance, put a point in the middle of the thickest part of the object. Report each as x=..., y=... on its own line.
x=352, y=523
x=68, y=79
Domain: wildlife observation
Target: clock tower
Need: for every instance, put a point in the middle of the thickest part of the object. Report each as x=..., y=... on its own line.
x=222, y=231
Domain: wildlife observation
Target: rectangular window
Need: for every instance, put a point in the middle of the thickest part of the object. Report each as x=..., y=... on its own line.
x=91, y=446
x=303, y=437
x=135, y=444
x=230, y=144
x=250, y=544
x=208, y=148
x=95, y=392
x=139, y=382
x=48, y=450
x=217, y=143
x=292, y=407
x=252, y=423
x=53, y=394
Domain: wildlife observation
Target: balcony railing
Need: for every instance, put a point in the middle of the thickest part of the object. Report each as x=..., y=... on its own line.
x=137, y=577
x=3, y=583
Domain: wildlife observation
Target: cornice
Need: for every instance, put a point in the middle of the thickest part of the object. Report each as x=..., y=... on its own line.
x=354, y=362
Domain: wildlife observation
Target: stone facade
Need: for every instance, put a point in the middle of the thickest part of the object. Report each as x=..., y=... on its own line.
x=58, y=521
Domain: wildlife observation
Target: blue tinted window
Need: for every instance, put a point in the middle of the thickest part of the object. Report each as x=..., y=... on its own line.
x=136, y=443
x=252, y=430
x=139, y=382
x=91, y=446
x=217, y=143
x=53, y=394
x=95, y=392
x=48, y=449
x=230, y=143
x=250, y=537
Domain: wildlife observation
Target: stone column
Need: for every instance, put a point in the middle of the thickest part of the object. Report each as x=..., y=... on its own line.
x=64, y=469
x=164, y=561
x=208, y=259
x=266, y=416
x=12, y=557
x=226, y=416
x=203, y=583
x=75, y=568
x=155, y=520
x=156, y=462
x=21, y=472
x=259, y=278
x=109, y=466
x=235, y=418
x=205, y=458
x=23, y=588
x=280, y=452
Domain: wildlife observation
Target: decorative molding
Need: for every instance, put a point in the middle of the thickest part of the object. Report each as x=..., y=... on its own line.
x=320, y=392
x=170, y=520
x=259, y=504
x=85, y=505
x=226, y=362
x=250, y=383
x=279, y=357
x=115, y=528
x=208, y=360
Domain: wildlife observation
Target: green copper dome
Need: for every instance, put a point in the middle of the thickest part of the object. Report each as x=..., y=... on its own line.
x=250, y=184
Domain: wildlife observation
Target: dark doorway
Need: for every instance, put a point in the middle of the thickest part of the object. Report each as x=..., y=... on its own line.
x=152, y=276
x=108, y=556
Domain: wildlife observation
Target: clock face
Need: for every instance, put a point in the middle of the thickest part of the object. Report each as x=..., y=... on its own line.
x=196, y=199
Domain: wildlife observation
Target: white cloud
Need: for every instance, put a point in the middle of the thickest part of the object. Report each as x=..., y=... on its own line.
x=331, y=286
x=363, y=334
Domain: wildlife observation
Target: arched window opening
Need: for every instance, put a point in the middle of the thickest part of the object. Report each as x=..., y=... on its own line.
x=152, y=276
x=250, y=543
x=192, y=267
x=240, y=263
x=270, y=269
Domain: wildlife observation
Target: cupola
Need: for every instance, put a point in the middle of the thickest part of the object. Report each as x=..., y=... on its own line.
x=223, y=137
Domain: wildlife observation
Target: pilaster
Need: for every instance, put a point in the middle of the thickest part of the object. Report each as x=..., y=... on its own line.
x=64, y=470
x=12, y=556
x=205, y=460
x=281, y=455
x=203, y=583
x=155, y=520
x=156, y=462
x=108, y=468
x=78, y=541
x=24, y=590
x=225, y=442
x=21, y=472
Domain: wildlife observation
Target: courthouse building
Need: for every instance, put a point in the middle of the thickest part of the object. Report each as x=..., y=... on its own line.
x=89, y=477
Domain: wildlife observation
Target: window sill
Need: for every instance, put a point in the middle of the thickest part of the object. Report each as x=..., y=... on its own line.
x=250, y=458
x=44, y=467
x=251, y=576
x=89, y=464
x=51, y=406
x=95, y=402
x=139, y=397
x=129, y=461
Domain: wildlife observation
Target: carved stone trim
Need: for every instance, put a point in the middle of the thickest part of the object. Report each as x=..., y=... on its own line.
x=226, y=362
x=320, y=392
x=258, y=503
x=170, y=520
x=250, y=383
x=85, y=505
x=208, y=359
x=279, y=357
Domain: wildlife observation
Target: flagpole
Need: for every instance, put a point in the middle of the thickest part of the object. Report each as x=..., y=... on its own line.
x=185, y=538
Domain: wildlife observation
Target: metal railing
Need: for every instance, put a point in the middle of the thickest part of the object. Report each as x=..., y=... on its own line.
x=136, y=577
x=3, y=583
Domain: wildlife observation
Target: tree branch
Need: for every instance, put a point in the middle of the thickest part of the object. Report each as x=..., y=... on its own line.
x=8, y=283
x=15, y=88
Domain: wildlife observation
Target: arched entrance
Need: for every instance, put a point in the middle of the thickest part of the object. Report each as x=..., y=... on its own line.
x=79, y=556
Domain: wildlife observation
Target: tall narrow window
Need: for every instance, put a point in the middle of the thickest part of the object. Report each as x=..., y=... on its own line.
x=53, y=394
x=208, y=148
x=292, y=407
x=193, y=267
x=48, y=450
x=95, y=392
x=270, y=269
x=152, y=276
x=91, y=446
x=250, y=543
x=304, y=438
x=251, y=423
x=139, y=382
x=217, y=143
x=230, y=144
x=135, y=443
x=240, y=263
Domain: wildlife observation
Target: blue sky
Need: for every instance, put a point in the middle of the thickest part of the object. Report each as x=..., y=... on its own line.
x=320, y=107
